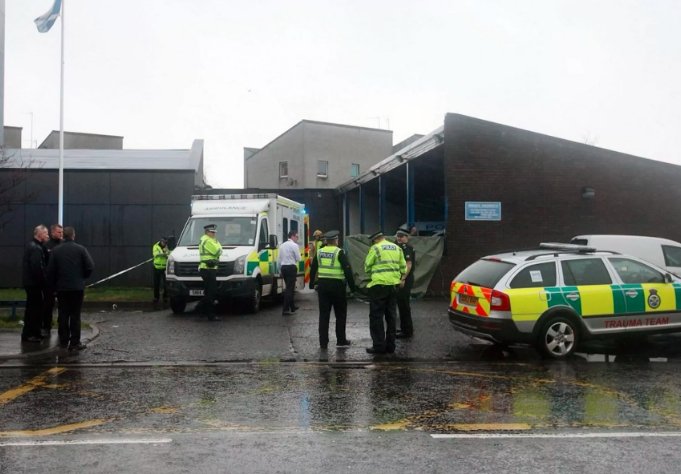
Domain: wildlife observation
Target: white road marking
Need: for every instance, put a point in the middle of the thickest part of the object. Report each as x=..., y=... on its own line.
x=625, y=434
x=88, y=441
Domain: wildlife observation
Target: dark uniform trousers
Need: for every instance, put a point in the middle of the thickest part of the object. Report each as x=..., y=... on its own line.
x=159, y=282
x=48, y=308
x=331, y=294
x=210, y=291
x=33, y=312
x=383, y=303
x=404, y=307
x=70, y=303
x=289, y=273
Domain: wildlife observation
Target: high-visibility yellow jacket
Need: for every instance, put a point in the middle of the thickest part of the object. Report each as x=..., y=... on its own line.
x=385, y=264
x=329, y=265
x=160, y=255
x=209, y=253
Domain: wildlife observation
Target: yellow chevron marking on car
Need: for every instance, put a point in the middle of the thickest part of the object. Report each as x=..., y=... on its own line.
x=483, y=297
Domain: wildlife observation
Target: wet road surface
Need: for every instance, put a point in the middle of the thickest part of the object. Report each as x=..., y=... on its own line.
x=254, y=393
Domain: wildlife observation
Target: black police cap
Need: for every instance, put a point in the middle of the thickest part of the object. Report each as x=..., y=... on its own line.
x=376, y=235
x=331, y=235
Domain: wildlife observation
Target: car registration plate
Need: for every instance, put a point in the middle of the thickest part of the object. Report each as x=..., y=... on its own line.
x=468, y=300
x=196, y=292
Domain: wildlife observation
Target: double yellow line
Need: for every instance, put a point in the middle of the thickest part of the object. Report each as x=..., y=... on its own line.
x=36, y=382
x=32, y=384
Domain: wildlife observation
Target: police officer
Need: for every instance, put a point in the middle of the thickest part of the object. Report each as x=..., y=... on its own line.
x=406, y=284
x=160, y=253
x=386, y=266
x=333, y=270
x=209, y=257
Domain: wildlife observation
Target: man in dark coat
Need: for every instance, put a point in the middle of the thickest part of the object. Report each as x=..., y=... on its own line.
x=56, y=237
x=70, y=264
x=33, y=280
x=406, y=284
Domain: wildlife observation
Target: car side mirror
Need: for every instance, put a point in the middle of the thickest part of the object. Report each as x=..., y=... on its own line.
x=668, y=278
x=274, y=242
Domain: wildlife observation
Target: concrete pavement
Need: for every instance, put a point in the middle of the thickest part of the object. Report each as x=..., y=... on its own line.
x=11, y=346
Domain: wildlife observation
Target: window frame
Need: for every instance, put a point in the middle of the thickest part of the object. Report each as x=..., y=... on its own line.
x=568, y=262
x=641, y=265
x=283, y=164
x=354, y=166
x=319, y=173
x=541, y=284
x=666, y=251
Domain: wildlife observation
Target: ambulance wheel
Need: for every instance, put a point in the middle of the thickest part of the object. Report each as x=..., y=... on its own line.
x=558, y=337
x=177, y=304
x=252, y=302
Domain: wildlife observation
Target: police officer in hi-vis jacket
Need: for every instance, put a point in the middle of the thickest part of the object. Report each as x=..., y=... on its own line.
x=332, y=269
x=386, y=267
x=209, y=258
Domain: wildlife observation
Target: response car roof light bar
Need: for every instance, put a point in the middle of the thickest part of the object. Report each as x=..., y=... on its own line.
x=569, y=247
x=561, y=248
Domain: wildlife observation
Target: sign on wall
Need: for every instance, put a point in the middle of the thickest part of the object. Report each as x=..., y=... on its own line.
x=483, y=211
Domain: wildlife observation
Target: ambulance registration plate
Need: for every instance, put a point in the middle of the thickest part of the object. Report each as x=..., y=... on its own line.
x=196, y=292
x=468, y=300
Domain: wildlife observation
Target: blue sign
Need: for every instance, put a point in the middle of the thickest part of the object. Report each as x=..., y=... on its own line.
x=483, y=211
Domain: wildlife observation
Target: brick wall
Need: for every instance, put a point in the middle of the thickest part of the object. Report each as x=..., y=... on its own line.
x=539, y=181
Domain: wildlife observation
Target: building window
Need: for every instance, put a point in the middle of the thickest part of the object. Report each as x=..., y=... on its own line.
x=283, y=169
x=354, y=171
x=322, y=169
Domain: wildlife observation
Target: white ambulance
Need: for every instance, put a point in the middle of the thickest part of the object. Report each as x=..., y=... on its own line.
x=249, y=228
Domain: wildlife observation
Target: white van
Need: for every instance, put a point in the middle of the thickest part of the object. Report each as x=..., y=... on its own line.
x=249, y=227
x=664, y=253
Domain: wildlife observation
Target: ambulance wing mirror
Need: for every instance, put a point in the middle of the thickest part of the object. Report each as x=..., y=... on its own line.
x=274, y=242
x=668, y=278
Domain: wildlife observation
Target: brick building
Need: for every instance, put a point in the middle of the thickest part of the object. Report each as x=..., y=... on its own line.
x=540, y=188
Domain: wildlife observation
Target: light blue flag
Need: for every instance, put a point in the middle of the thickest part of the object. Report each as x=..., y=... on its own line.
x=45, y=22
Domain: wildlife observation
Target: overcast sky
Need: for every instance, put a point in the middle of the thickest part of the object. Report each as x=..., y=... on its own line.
x=239, y=73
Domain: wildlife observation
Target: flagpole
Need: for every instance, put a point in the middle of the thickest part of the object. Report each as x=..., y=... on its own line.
x=61, y=124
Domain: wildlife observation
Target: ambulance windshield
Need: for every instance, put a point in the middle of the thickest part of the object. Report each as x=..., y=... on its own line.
x=231, y=231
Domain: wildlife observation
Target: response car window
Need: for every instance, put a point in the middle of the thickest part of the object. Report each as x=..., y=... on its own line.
x=587, y=271
x=484, y=273
x=631, y=271
x=535, y=276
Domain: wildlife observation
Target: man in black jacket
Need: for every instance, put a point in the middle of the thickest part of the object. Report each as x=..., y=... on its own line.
x=56, y=237
x=33, y=280
x=70, y=264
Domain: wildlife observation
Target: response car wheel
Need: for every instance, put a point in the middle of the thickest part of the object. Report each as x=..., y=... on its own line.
x=177, y=304
x=558, y=338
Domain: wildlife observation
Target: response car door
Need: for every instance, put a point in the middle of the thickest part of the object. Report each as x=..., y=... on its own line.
x=650, y=300
x=588, y=290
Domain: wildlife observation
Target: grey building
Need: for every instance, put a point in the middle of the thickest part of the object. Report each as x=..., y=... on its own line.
x=315, y=155
x=119, y=201
x=79, y=140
